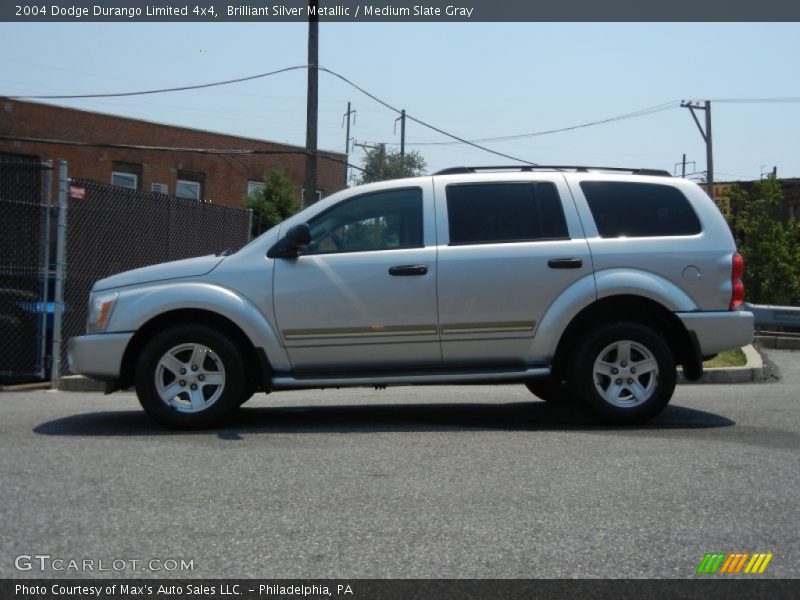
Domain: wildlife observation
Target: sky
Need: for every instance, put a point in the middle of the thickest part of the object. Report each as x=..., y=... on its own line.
x=474, y=80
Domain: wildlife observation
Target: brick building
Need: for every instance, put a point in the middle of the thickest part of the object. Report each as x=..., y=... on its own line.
x=791, y=196
x=220, y=179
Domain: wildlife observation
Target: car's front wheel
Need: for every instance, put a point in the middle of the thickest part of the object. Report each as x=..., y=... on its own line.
x=190, y=376
x=624, y=373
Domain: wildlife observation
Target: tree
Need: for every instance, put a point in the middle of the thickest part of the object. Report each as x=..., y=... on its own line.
x=272, y=203
x=770, y=248
x=381, y=164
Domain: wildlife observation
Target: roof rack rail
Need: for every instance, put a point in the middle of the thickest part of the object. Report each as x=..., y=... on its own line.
x=575, y=168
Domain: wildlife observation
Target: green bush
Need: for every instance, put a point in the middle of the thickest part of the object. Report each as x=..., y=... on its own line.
x=770, y=247
x=273, y=203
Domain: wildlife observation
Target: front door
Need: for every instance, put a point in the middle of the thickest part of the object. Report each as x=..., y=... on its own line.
x=362, y=296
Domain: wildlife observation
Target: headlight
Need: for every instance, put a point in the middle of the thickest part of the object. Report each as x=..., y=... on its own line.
x=100, y=307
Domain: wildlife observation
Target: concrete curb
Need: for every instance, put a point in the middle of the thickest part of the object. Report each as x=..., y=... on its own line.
x=778, y=341
x=23, y=387
x=79, y=383
x=752, y=372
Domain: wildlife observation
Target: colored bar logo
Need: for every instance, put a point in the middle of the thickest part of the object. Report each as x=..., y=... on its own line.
x=734, y=563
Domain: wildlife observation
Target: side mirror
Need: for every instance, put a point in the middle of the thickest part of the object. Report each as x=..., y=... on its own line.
x=290, y=244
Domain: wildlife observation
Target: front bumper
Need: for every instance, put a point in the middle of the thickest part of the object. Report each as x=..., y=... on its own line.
x=98, y=355
x=719, y=331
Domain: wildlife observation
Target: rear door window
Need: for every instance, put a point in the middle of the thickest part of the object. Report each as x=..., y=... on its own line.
x=495, y=213
x=627, y=209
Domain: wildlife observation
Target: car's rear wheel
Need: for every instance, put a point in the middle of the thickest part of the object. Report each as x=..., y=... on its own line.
x=551, y=390
x=190, y=376
x=624, y=373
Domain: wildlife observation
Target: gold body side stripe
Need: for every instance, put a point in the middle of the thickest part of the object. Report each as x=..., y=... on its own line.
x=407, y=330
x=351, y=332
x=494, y=327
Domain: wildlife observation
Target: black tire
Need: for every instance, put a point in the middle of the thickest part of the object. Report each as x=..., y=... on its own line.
x=219, y=359
x=633, y=393
x=551, y=390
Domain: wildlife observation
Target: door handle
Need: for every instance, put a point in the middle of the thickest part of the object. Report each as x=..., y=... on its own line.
x=565, y=263
x=406, y=270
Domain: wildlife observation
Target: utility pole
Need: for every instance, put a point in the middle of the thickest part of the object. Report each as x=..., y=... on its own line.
x=706, y=106
x=773, y=172
x=312, y=108
x=402, y=119
x=347, y=140
x=683, y=164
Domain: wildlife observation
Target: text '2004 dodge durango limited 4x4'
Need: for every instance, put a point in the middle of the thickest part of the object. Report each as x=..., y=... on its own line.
x=586, y=284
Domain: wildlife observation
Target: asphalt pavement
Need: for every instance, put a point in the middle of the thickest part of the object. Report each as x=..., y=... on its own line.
x=425, y=482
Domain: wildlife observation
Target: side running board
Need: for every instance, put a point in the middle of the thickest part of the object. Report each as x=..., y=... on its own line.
x=281, y=381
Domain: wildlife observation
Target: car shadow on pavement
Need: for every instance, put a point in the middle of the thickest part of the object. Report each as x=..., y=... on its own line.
x=519, y=416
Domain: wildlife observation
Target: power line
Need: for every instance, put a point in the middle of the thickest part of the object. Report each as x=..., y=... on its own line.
x=776, y=99
x=458, y=140
x=639, y=113
x=416, y=120
x=755, y=100
x=742, y=177
x=267, y=74
x=161, y=90
x=213, y=151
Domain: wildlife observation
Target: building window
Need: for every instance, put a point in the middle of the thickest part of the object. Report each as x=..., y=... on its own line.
x=190, y=185
x=159, y=188
x=255, y=186
x=126, y=180
x=126, y=175
x=27, y=158
x=187, y=189
x=303, y=195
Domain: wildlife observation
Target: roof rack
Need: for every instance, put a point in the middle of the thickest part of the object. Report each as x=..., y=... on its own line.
x=574, y=168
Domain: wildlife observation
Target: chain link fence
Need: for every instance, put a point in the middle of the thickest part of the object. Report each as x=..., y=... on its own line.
x=51, y=254
x=112, y=229
x=25, y=314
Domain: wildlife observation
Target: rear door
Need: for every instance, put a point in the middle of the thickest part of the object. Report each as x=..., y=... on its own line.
x=507, y=249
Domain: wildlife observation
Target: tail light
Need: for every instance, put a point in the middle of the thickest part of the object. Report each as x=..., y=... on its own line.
x=737, y=285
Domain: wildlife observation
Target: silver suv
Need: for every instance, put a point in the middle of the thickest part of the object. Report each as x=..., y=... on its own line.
x=585, y=284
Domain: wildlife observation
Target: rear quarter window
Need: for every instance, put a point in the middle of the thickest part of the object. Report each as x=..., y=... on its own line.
x=627, y=209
